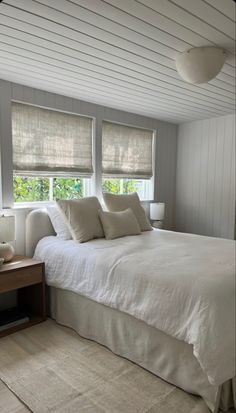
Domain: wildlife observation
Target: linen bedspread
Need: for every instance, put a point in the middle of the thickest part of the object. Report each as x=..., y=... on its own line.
x=182, y=284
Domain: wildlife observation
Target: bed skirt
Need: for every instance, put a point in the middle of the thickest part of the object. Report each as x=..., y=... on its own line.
x=165, y=356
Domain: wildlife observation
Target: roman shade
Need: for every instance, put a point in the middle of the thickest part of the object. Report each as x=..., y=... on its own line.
x=126, y=151
x=50, y=143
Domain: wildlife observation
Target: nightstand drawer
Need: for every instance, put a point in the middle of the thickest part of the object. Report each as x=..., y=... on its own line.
x=23, y=277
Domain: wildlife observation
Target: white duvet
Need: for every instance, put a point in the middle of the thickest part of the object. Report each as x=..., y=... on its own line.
x=182, y=284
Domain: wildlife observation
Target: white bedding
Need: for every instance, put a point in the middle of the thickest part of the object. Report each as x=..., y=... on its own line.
x=182, y=284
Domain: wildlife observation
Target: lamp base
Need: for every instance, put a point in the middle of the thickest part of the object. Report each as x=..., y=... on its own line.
x=157, y=224
x=6, y=251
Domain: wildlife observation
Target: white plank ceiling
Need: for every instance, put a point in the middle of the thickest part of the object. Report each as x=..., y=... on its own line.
x=120, y=53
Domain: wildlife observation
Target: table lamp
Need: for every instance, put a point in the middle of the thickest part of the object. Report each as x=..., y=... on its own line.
x=7, y=233
x=157, y=213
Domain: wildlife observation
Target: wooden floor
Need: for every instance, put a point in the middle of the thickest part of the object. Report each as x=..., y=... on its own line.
x=9, y=403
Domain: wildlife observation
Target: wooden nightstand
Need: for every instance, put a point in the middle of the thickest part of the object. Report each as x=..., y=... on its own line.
x=26, y=276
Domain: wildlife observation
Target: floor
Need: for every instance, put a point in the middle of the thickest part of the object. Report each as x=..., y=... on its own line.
x=19, y=350
x=9, y=403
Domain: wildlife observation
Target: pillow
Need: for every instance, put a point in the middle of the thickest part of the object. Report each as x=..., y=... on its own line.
x=117, y=203
x=59, y=223
x=82, y=218
x=119, y=224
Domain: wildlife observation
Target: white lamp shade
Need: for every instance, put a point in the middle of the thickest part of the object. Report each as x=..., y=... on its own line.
x=7, y=228
x=200, y=64
x=157, y=211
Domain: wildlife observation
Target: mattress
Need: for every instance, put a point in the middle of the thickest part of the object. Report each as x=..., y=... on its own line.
x=181, y=284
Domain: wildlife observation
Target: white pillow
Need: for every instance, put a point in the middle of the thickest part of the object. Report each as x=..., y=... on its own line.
x=117, y=203
x=82, y=218
x=59, y=223
x=119, y=224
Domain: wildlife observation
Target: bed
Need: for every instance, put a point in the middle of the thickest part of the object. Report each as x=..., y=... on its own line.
x=162, y=299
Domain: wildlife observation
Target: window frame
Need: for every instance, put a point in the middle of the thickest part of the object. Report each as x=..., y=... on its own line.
x=147, y=188
x=154, y=147
x=52, y=201
x=97, y=115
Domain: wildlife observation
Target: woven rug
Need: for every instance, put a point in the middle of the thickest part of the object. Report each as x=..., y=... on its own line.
x=52, y=369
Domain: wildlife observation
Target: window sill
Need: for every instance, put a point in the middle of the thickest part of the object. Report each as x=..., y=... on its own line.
x=32, y=205
x=44, y=204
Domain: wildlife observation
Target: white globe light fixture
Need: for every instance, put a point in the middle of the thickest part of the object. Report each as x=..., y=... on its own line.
x=200, y=64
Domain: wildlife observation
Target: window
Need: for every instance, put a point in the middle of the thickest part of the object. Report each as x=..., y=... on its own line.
x=32, y=189
x=143, y=187
x=52, y=154
x=28, y=189
x=127, y=154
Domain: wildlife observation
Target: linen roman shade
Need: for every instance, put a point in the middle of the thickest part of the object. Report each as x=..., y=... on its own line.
x=126, y=151
x=50, y=143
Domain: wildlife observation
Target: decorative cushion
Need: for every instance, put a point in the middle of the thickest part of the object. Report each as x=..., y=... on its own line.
x=82, y=218
x=117, y=203
x=59, y=223
x=119, y=224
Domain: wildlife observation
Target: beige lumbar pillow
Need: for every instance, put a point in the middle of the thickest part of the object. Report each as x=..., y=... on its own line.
x=82, y=218
x=119, y=224
x=117, y=203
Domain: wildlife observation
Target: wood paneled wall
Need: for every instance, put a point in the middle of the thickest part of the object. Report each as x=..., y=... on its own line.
x=205, y=178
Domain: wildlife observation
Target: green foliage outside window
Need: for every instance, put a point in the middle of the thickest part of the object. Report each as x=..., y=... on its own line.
x=30, y=189
x=129, y=186
x=119, y=186
x=111, y=185
x=27, y=189
x=67, y=188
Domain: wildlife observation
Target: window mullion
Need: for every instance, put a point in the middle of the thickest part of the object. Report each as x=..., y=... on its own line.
x=97, y=158
x=51, y=188
x=121, y=185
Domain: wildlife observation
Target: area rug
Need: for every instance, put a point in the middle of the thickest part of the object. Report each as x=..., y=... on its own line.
x=50, y=368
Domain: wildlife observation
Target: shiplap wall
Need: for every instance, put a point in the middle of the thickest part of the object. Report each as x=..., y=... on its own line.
x=205, y=179
x=165, y=151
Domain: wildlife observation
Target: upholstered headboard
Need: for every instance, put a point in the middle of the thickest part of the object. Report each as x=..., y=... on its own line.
x=38, y=225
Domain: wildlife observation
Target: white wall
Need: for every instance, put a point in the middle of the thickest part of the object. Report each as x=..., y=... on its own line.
x=205, y=178
x=165, y=166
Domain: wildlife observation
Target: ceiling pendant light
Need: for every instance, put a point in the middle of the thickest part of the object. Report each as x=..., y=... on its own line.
x=200, y=64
